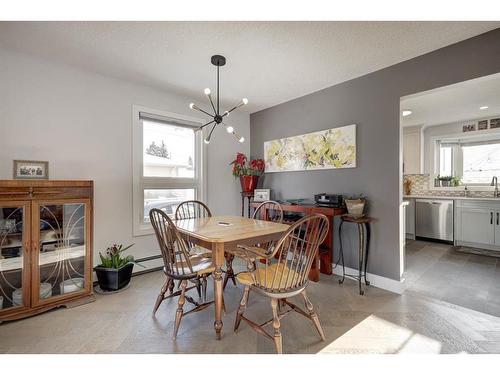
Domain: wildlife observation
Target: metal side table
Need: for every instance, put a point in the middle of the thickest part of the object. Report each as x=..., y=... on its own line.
x=364, y=232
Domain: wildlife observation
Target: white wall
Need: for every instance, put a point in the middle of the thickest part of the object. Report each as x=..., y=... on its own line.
x=81, y=123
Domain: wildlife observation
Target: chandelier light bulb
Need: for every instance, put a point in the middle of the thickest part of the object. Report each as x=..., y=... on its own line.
x=229, y=129
x=207, y=91
x=244, y=101
x=226, y=113
x=191, y=105
x=207, y=141
x=242, y=139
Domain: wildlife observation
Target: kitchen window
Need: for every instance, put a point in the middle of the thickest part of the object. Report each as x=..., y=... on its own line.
x=168, y=164
x=474, y=162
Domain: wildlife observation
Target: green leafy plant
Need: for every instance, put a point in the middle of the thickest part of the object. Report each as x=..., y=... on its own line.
x=445, y=178
x=455, y=181
x=113, y=257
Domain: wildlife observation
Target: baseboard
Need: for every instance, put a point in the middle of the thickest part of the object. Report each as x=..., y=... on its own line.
x=375, y=280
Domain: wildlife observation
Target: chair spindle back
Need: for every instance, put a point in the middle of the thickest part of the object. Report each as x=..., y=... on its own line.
x=269, y=211
x=174, y=249
x=295, y=251
x=192, y=210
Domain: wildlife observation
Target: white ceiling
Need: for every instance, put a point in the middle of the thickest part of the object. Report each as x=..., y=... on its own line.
x=268, y=62
x=454, y=103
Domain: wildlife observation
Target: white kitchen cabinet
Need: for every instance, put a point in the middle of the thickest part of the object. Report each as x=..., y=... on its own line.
x=410, y=219
x=477, y=224
x=412, y=150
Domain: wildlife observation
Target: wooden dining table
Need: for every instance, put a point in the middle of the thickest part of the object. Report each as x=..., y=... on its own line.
x=224, y=233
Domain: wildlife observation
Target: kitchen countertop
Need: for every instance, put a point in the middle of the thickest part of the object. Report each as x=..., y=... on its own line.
x=451, y=198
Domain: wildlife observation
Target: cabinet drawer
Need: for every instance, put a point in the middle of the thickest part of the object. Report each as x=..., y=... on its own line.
x=61, y=192
x=14, y=193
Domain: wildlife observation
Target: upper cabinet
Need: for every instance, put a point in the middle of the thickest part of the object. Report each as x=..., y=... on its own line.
x=412, y=150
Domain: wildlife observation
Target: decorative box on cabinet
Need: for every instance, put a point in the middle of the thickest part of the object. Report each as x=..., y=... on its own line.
x=45, y=246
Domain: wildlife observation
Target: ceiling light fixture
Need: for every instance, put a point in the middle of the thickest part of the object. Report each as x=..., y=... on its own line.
x=406, y=112
x=218, y=61
x=484, y=107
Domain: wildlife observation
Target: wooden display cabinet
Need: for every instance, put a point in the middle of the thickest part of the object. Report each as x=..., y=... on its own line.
x=45, y=246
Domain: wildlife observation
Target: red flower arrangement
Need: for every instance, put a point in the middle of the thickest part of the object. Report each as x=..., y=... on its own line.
x=255, y=167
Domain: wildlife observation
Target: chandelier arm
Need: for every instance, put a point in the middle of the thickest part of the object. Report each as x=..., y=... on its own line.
x=203, y=111
x=202, y=126
x=211, y=131
x=212, y=103
x=232, y=109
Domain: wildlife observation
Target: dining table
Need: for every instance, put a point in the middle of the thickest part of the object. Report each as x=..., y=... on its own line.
x=221, y=234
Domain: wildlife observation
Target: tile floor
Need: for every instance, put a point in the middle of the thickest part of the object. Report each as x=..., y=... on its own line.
x=468, y=280
x=378, y=322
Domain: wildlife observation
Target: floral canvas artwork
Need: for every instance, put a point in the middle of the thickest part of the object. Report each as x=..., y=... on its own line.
x=325, y=149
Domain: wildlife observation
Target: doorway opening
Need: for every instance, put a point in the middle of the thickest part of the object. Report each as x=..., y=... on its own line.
x=450, y=220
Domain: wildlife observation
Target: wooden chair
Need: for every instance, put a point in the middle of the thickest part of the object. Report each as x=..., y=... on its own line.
x=268, y=211
x=285, y=277
x=191, y=210
x=179, y=265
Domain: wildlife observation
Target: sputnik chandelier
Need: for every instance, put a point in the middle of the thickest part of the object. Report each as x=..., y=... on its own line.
x=217, y=118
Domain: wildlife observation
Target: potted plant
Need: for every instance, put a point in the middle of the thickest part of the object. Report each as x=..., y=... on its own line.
x=115, y=271
x=355, y=206
x=445, y=180
x=455, y=181
x=248, y=173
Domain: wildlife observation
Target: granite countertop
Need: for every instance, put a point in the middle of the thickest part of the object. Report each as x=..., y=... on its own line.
x=450, y=198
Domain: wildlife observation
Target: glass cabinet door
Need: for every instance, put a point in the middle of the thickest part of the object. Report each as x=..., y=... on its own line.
x=14, y=241
x=62, y=249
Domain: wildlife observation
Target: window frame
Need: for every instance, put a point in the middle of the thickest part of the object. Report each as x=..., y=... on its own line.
x=489, y=136
x=141, y=183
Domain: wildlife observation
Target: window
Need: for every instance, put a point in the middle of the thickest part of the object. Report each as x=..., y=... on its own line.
x=168, y=164
x=474, y=162
x=480, y=162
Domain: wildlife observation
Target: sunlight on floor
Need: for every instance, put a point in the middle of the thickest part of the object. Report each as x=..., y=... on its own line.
x=376, y=335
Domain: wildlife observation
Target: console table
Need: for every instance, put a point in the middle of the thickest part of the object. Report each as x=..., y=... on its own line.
x=324, y=259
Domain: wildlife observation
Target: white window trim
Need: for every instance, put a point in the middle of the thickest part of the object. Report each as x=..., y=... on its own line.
x=139, y=228
x=457, y=159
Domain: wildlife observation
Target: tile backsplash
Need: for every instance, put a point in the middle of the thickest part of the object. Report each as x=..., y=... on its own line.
x=419, y=185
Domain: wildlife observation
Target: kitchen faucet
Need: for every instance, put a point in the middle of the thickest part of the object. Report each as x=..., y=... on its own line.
x=494, y=182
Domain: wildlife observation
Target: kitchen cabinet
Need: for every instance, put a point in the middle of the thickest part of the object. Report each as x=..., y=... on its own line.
x=477, y=224
x=45, y=246
x=410, y=219
x=412, y=150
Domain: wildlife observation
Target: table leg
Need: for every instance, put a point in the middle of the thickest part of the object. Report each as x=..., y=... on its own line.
x=218, y=260
x=341, y=249
x=242, y=205
x=361, y=252
x=368, y=234
x=248, y=201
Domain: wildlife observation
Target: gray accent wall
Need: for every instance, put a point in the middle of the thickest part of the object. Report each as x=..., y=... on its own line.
x=371, y=102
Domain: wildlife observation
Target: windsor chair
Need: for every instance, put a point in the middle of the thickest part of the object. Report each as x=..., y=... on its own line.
x=285, y=277
x=267, y=211
x=179, y=265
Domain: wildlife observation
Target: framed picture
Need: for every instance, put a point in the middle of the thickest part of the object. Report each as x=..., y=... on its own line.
x=325, y=149
x=495, y=123
x=31, y=169
x=261, y=195
x=482, y=125
x=469, y=128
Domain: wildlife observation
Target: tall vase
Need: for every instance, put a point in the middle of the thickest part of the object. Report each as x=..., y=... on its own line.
x=248, y=183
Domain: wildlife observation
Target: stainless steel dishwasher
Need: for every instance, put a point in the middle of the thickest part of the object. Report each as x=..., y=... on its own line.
x=434, y=219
